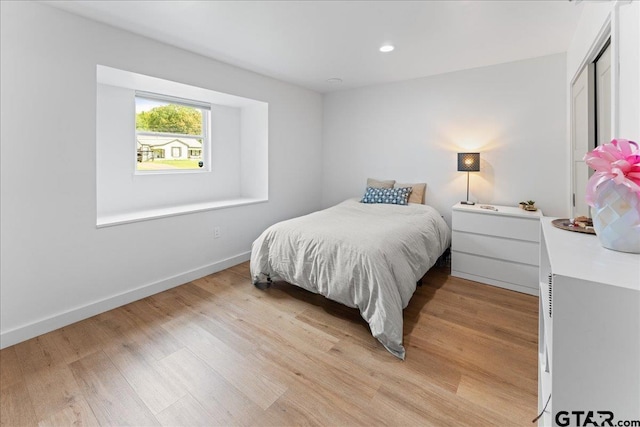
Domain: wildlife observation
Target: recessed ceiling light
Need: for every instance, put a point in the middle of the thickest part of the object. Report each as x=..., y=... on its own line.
x=386, y=48
x=334, y=80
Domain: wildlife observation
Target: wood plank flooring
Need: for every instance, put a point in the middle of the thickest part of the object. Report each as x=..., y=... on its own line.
x=218, y=351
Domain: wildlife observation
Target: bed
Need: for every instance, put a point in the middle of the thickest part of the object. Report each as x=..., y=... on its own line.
x=368, y=256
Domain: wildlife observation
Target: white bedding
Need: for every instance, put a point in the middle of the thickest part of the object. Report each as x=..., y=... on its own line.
x=368, y=256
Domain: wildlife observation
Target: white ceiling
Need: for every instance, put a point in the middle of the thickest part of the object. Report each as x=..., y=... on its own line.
x=308, y=42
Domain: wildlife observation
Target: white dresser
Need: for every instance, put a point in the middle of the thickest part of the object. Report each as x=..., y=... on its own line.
x=500, y=248
x=589, y=330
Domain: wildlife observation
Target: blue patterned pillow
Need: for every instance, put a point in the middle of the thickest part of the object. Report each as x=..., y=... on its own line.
x=394, y=196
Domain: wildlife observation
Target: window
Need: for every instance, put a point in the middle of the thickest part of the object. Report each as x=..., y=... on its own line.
x=234, y=154
x=169, y=125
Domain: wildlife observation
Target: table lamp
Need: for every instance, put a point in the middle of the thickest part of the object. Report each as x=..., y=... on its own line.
x=468, y=162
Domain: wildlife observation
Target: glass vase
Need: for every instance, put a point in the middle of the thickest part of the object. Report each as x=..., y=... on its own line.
x=616, y=217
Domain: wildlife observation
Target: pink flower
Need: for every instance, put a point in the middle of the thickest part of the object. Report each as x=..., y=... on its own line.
x=619, y=160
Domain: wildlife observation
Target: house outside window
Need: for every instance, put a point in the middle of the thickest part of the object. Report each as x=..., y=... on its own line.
x=175, y=126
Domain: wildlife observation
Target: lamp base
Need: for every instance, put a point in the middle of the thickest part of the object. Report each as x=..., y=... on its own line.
x=467, y=202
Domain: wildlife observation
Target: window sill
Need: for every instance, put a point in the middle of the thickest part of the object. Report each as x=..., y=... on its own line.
x=130, y=217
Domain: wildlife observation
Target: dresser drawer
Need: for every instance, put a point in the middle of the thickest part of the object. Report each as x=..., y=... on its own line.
x=497, y=225
x=522, y=251
x=504, y=271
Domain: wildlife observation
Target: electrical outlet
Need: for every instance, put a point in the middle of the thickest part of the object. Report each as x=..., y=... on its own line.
x=216, y=232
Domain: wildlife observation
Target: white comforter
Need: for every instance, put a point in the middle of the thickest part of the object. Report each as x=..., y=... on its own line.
x=368, y=256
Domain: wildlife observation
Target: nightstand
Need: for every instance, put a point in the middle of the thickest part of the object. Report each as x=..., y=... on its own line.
x=497, y=247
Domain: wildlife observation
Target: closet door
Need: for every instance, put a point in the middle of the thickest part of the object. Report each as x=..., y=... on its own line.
x=582, y=136
x=603, y=97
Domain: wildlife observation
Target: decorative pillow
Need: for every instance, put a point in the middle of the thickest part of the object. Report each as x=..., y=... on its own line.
x=380, y=184
x=393, y=196
x=417, y=192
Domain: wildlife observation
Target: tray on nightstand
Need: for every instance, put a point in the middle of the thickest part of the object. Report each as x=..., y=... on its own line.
x=565, y=224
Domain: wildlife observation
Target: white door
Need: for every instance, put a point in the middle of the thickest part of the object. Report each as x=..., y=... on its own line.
x=603, y=97
x=582, y=136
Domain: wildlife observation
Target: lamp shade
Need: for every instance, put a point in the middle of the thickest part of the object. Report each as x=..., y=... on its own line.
x=468, y=162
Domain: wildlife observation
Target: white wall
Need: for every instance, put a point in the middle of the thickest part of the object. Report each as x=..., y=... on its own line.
x=56, y=266
x=514, y=114
x=629, y=77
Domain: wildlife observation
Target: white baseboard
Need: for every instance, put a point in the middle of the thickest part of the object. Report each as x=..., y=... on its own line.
x=42, y=326
x=493, y=282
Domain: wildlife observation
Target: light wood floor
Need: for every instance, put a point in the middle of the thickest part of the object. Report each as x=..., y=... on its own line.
x=218, y=351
